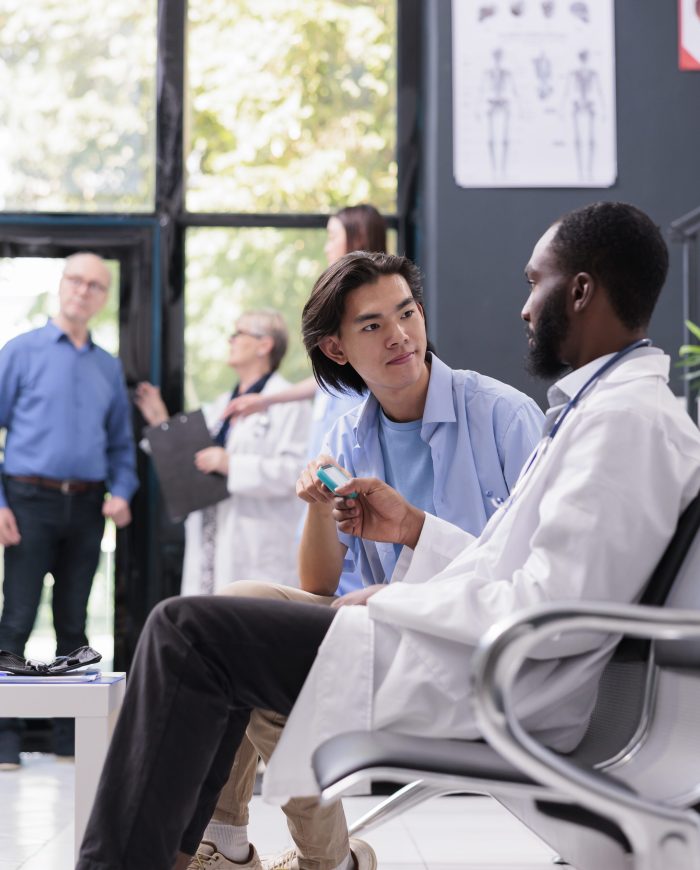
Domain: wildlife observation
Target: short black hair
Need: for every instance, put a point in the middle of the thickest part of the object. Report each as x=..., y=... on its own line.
x=325, y=308
x=621, y=246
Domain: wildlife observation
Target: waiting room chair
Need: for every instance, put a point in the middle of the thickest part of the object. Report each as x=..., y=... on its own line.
x=624, y=797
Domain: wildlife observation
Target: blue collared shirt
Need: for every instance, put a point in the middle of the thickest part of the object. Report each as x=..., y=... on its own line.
x=480, y=432
x=66, y=412
x=327, y=407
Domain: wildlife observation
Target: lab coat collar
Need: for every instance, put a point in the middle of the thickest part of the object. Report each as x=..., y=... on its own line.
x=439, y=405
x=640, y=362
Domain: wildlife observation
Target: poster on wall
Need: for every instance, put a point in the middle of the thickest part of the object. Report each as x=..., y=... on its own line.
x=689, y=34
x=534, y=93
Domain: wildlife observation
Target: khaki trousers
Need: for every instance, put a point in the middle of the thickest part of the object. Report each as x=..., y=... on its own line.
x=319, y=832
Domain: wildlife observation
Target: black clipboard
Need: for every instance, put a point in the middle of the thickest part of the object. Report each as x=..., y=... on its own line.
x=173, y=446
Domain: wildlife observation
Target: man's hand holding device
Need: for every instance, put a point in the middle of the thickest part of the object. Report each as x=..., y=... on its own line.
x=311, y=487
x=369, y=508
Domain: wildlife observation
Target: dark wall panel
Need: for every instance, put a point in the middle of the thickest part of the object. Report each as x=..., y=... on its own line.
x=473, y=244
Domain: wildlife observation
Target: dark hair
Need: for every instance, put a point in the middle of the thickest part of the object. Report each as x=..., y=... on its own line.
x=364, y=227
x=620, y=246
x=325, y=308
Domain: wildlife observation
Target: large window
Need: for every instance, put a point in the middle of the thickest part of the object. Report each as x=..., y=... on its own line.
x=292, y=105
x=78, y=111
x=292, y=111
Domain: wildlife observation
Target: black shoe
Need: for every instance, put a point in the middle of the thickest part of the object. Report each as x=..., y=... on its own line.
x=10, y=741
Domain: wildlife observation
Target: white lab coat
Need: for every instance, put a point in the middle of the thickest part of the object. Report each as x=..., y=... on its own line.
x=587, y=520
x=257, y=524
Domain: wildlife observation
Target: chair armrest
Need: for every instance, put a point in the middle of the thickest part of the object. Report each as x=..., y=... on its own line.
x=496, y=664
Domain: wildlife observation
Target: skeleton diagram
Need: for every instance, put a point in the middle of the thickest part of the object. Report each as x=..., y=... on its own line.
x=583, y=94
x=543, y=73
x=498, y=92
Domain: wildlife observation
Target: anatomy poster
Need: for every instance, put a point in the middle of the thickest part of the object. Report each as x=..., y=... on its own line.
x=689, y=34
x=534, y=93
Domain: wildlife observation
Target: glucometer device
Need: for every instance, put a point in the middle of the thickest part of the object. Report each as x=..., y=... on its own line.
x=333, y=477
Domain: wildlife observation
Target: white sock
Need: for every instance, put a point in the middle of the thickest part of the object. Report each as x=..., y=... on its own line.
x=347, y=864
x=230, y=840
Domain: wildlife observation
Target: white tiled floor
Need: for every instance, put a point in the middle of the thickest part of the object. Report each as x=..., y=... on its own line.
x=454, y=833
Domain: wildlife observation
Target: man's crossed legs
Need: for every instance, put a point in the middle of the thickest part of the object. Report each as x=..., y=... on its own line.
x=319, y=832
x=203, y=663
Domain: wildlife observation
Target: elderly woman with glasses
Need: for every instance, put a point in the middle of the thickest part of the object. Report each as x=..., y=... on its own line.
x=251, y=534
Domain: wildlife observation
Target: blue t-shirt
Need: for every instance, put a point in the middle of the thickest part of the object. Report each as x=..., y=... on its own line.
x=478, y=433
x=408, y=464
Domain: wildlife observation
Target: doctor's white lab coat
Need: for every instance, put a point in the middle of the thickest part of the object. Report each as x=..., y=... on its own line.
x=256, y=526
x=588, y=520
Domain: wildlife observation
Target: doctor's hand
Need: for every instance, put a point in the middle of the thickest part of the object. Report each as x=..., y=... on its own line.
x=313, y=491
x=242, y=406
x=9, y=533
x=378, y=513
x=212, y=460
x=357, y=596
x=117, y=508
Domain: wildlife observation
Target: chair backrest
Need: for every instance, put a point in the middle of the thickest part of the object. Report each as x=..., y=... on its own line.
x=625, y=685
x=684, y=592
x=679, y=555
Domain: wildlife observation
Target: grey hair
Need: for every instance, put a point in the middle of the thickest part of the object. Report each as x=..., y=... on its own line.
x=269, y=321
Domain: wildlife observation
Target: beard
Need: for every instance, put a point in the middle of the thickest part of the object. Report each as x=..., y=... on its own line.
x=543, y=356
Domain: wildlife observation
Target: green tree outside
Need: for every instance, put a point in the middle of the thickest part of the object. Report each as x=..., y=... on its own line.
x=292, y=105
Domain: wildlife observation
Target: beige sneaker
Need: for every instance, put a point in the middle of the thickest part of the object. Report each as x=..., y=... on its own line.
x=207, y=858
x=362, y=853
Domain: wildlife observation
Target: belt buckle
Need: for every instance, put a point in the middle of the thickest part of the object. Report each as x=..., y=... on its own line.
x=65, y=487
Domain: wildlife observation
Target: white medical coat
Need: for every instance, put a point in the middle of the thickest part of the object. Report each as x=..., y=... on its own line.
x=256, y=526
x=587, y=520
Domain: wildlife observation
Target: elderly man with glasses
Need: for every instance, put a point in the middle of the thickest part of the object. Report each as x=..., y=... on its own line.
x=64, y=406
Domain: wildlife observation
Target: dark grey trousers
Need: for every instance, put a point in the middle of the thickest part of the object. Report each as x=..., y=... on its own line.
x=201, y=665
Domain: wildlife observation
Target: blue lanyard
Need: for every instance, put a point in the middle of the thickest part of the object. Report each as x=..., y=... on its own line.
x=571, y=404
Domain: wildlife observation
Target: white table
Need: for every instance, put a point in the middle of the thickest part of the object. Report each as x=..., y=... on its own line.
x=94, y=706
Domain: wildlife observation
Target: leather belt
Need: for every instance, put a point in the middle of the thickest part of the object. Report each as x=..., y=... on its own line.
x=67, y=487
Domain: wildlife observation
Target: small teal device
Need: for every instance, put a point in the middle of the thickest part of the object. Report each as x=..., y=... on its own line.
x=333, y=477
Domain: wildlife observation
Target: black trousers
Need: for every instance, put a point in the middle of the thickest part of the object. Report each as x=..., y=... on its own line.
x=201, y=665
x=61, y=534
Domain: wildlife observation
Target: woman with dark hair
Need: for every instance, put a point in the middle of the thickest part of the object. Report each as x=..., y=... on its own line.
x=355, y=228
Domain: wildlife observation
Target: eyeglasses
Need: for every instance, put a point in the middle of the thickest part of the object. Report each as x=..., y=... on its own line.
x=238, y=332
x=76, y=281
